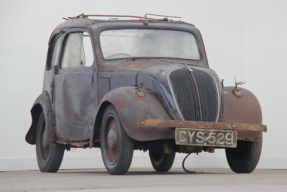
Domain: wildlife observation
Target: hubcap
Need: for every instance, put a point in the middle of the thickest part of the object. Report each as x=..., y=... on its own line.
x=111, y=139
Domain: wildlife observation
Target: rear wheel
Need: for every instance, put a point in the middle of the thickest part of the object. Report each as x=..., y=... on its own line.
x=116, y=146
x=161, y=162
x=245, y=157
x=49, y=156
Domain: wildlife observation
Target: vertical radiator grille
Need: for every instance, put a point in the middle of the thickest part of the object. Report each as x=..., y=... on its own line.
x=197, y=97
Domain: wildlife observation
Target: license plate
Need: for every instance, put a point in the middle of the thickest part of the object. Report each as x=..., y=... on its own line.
x=203, y=137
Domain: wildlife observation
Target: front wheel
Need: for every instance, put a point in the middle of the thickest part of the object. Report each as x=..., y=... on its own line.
x=116, y=146
x=49, y=156
x=161, y=162
x=245, y=157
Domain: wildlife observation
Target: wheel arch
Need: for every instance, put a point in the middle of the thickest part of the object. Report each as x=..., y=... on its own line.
x=42, y=103
x=98, y=120
x=132, y=104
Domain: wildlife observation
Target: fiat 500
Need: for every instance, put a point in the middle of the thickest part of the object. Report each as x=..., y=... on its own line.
x=139, y=83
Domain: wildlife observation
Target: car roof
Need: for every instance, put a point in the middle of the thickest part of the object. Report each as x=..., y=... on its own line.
x=98, y=22
x=96, y=26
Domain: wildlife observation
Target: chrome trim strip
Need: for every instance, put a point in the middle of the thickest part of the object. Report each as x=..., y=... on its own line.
x=197, y=93
x=172, y=93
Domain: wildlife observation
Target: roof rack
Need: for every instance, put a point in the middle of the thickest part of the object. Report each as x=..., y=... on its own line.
x=131, y=16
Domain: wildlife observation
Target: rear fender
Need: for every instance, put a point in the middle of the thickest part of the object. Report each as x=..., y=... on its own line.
x=42, y=103
x=133, y=104
x=245, y=109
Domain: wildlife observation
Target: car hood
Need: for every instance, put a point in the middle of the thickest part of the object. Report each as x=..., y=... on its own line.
x=156, y=79
x=152, y=74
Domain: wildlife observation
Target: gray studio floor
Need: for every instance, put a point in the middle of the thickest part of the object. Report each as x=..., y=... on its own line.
x=145, y=180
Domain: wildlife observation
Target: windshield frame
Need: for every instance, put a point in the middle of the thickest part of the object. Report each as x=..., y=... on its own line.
x=100, y=26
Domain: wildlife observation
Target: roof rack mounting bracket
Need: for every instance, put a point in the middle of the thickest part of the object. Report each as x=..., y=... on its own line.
x=166, y=17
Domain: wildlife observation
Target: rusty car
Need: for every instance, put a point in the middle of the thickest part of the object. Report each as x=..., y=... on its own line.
x=123, y=83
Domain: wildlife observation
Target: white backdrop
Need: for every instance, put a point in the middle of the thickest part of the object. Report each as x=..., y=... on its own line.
x=243, y=38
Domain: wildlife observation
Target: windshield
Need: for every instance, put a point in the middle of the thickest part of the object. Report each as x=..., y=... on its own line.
x=158, y=43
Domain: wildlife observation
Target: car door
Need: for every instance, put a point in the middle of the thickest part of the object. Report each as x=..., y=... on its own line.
x=75, y=87
x=52, y=59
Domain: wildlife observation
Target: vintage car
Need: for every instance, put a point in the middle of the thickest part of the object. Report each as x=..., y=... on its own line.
x=142, y=83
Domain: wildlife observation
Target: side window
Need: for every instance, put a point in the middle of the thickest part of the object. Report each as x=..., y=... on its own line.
x=78, y=51
x=88, y=49
x=55, y=53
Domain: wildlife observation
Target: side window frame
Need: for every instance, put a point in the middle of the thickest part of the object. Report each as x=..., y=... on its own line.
x=51, y=51
x=63, y=46
x=93, y=47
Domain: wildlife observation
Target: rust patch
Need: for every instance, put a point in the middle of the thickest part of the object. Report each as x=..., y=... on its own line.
x=74, y=143
x=159, y=74
x=131, y=107
x=140, y=92
x=202, y=125
x=122, y=76
x=78, y=119
x=241, y=110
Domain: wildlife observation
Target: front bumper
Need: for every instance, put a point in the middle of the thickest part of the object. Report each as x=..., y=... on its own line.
x=246, y=131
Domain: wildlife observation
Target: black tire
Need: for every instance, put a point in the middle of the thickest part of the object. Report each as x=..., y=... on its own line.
x=161, y=162
x=245, y=157
x=116, y=146
x=49, y=157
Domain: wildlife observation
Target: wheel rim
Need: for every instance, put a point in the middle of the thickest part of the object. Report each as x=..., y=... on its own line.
x=111, y=139
x=44, y=145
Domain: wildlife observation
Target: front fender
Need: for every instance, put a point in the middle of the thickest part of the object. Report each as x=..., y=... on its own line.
x=245, y=109
x=42, y=103
x=133, y=104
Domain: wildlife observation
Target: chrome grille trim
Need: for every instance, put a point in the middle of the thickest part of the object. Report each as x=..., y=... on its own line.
x=192, y=114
